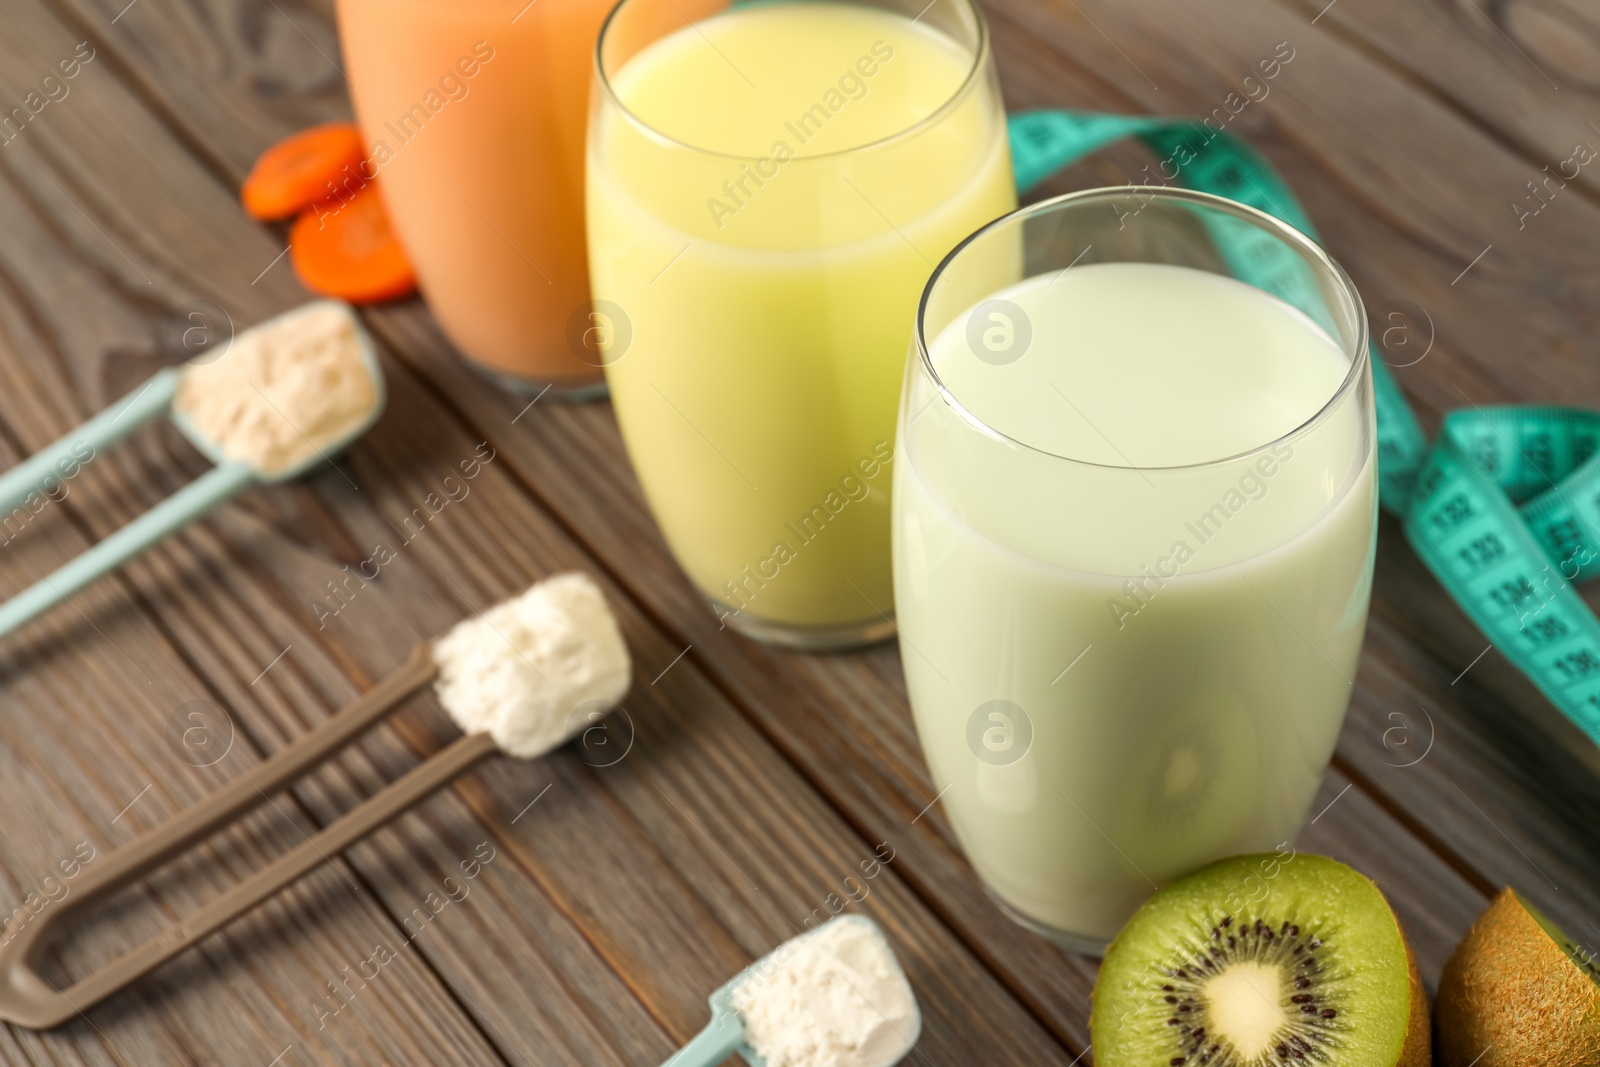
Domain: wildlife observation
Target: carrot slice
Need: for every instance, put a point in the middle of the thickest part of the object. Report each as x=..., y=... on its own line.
x=299, y=169
x=345, y=248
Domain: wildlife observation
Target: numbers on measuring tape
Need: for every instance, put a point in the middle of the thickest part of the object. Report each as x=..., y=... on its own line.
x=1227, y=178
x=1511, y=594
x=1483, y=550
x=1579, y=664
x=1429, y=482
x=1453, y=512
x=1539, y=449
x=1486, y=450
x=1545, y=629
x=1566, y=536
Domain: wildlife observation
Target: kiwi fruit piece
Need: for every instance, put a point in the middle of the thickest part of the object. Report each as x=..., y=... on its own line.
x=1283, y=958
x=1518, y=991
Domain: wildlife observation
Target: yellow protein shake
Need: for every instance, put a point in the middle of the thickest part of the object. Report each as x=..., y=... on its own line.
x=1134, y=537
x=769, y=188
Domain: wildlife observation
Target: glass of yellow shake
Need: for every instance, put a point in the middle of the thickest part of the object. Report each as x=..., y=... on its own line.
x=769, y=185
x=1134, y=517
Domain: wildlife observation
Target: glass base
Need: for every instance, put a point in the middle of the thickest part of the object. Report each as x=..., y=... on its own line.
x=839, y=638
x=565, y=394
x=1084, y=946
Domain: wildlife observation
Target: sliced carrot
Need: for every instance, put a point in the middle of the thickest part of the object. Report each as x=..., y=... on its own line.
x=345, y=248
x=299, y=169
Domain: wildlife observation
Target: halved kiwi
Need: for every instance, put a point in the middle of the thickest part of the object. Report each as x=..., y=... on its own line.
x=1519, y=991
x=1255, y=960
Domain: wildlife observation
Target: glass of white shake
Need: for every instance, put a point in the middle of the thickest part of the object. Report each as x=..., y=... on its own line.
x=1134, y=526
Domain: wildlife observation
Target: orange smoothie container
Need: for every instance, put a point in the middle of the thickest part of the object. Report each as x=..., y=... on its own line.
x=473, y=112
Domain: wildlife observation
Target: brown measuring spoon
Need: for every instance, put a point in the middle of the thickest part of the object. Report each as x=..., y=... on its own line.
x=560, y=661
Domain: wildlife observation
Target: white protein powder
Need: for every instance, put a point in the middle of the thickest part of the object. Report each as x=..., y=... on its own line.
x=522, y=670
x=283, y=390
x=839, y=999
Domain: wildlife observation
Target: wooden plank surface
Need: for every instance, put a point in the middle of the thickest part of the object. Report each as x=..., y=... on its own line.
x=757, y=779
x=1527, y=73
x=660, y=877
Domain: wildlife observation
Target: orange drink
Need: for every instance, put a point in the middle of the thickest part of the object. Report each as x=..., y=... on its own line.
x=474, y=114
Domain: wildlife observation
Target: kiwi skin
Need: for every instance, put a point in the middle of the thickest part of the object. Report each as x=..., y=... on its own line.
x=1418, y=1049
x=1511, y=996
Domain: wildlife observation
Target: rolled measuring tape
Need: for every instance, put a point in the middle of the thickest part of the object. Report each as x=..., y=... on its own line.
x=1504, y=507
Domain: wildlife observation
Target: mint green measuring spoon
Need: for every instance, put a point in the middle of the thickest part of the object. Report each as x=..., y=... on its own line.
x=725, y=1034
x=145, y=404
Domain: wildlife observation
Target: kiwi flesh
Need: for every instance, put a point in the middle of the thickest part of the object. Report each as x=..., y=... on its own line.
x=1262, y=960
x=1518, y=991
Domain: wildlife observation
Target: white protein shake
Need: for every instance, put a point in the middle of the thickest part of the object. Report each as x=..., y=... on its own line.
x=1130, y=606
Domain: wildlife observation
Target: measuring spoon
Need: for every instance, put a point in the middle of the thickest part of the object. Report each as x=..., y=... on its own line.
x=725, y=1034
x=145, y=404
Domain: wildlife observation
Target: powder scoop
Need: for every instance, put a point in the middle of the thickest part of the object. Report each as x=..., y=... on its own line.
x=523, y=677
x=286, y=394
x=834, y=996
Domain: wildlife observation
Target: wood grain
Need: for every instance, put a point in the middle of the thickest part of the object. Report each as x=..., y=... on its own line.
x=1526, y=73
x=757, y=779
x=639, y=891
x=1056, y=986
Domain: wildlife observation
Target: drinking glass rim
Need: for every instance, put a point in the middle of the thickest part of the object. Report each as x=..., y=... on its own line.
x=1359, y=357
x=980, y=59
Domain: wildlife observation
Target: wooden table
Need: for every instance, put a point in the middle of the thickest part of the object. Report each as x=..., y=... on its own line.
x=620, y=891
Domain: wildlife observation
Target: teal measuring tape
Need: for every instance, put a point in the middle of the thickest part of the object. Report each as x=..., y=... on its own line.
x=1504, y=507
